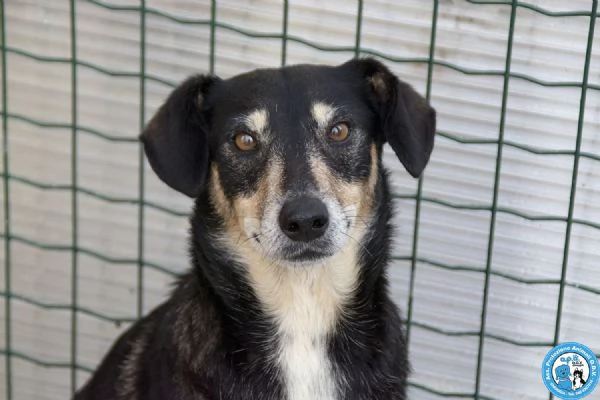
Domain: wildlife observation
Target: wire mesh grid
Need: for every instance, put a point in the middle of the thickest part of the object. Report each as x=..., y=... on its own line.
x=76, y=189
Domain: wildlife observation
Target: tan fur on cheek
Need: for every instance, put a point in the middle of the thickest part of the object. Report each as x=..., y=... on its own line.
x=359, y=194
x=217, y=195
x=371, y=183
x=225, y=208
x=250, y=209
x=243, y=214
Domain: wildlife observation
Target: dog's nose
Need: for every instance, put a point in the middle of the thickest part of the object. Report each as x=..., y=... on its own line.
x=304, y=218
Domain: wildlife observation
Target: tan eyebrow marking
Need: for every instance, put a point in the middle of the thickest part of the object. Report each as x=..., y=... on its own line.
x=322, y=114
x=257, y=121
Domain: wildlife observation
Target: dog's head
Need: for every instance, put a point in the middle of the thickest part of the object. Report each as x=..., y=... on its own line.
x=289, y=158
x=562, y=371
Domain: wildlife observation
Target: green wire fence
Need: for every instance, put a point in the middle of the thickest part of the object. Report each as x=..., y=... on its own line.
x=76, y=188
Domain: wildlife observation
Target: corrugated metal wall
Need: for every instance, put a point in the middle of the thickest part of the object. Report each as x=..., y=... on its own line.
x=467, y=87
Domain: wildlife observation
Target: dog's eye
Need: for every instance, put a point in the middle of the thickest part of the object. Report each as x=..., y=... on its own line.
x=339, y=132
x=244, y=141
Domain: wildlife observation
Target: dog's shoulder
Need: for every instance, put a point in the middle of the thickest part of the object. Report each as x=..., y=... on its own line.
x=158, y=349
x=118, y=361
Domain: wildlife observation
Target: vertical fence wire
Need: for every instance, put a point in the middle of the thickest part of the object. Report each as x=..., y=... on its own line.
x=284, y=32
x=74, y=210
x=575, y=173
x=213, y=29
x=419, y=195
x=494, y=209
x=358, y=33
x=7, y=227
x=141, y=177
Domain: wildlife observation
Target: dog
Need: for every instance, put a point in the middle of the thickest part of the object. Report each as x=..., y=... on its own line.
x=287, y=297
x=578, y=380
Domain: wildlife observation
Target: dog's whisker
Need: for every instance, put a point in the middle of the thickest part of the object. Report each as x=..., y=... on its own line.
x=359, y=243
x=357, y=218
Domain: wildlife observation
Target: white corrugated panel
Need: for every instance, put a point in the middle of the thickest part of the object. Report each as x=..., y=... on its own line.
x=469, y=35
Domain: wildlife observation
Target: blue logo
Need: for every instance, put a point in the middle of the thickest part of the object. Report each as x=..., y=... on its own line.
x=570, y=371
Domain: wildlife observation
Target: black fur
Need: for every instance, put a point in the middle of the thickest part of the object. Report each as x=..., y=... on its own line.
x=179, y=149
x=211, y=340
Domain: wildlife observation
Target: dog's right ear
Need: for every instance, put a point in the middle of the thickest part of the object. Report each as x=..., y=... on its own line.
x=175, y=139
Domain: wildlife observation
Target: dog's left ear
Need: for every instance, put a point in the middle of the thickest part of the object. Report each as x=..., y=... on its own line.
x=407, y=121
x=175, y=139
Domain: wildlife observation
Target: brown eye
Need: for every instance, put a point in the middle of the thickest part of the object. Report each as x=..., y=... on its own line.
x=339, y=132
x=244, y=141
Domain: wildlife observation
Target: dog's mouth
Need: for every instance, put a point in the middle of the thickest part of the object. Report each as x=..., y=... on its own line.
x=304, y=256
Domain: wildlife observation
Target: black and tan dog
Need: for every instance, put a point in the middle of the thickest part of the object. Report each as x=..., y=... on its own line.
x=287, y=297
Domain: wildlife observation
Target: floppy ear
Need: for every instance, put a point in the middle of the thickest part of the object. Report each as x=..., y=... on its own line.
x=407, y=121
x=175, y=139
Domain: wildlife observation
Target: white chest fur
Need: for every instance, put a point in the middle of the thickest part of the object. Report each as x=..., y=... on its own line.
x=306, y=303
x=303, y=357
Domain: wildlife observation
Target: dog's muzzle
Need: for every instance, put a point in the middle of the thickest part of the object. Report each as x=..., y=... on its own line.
x=304, y=219
x=303, y=229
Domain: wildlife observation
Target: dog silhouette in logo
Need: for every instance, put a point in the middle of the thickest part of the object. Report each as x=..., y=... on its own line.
x=578, y=380
x=563, y=372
